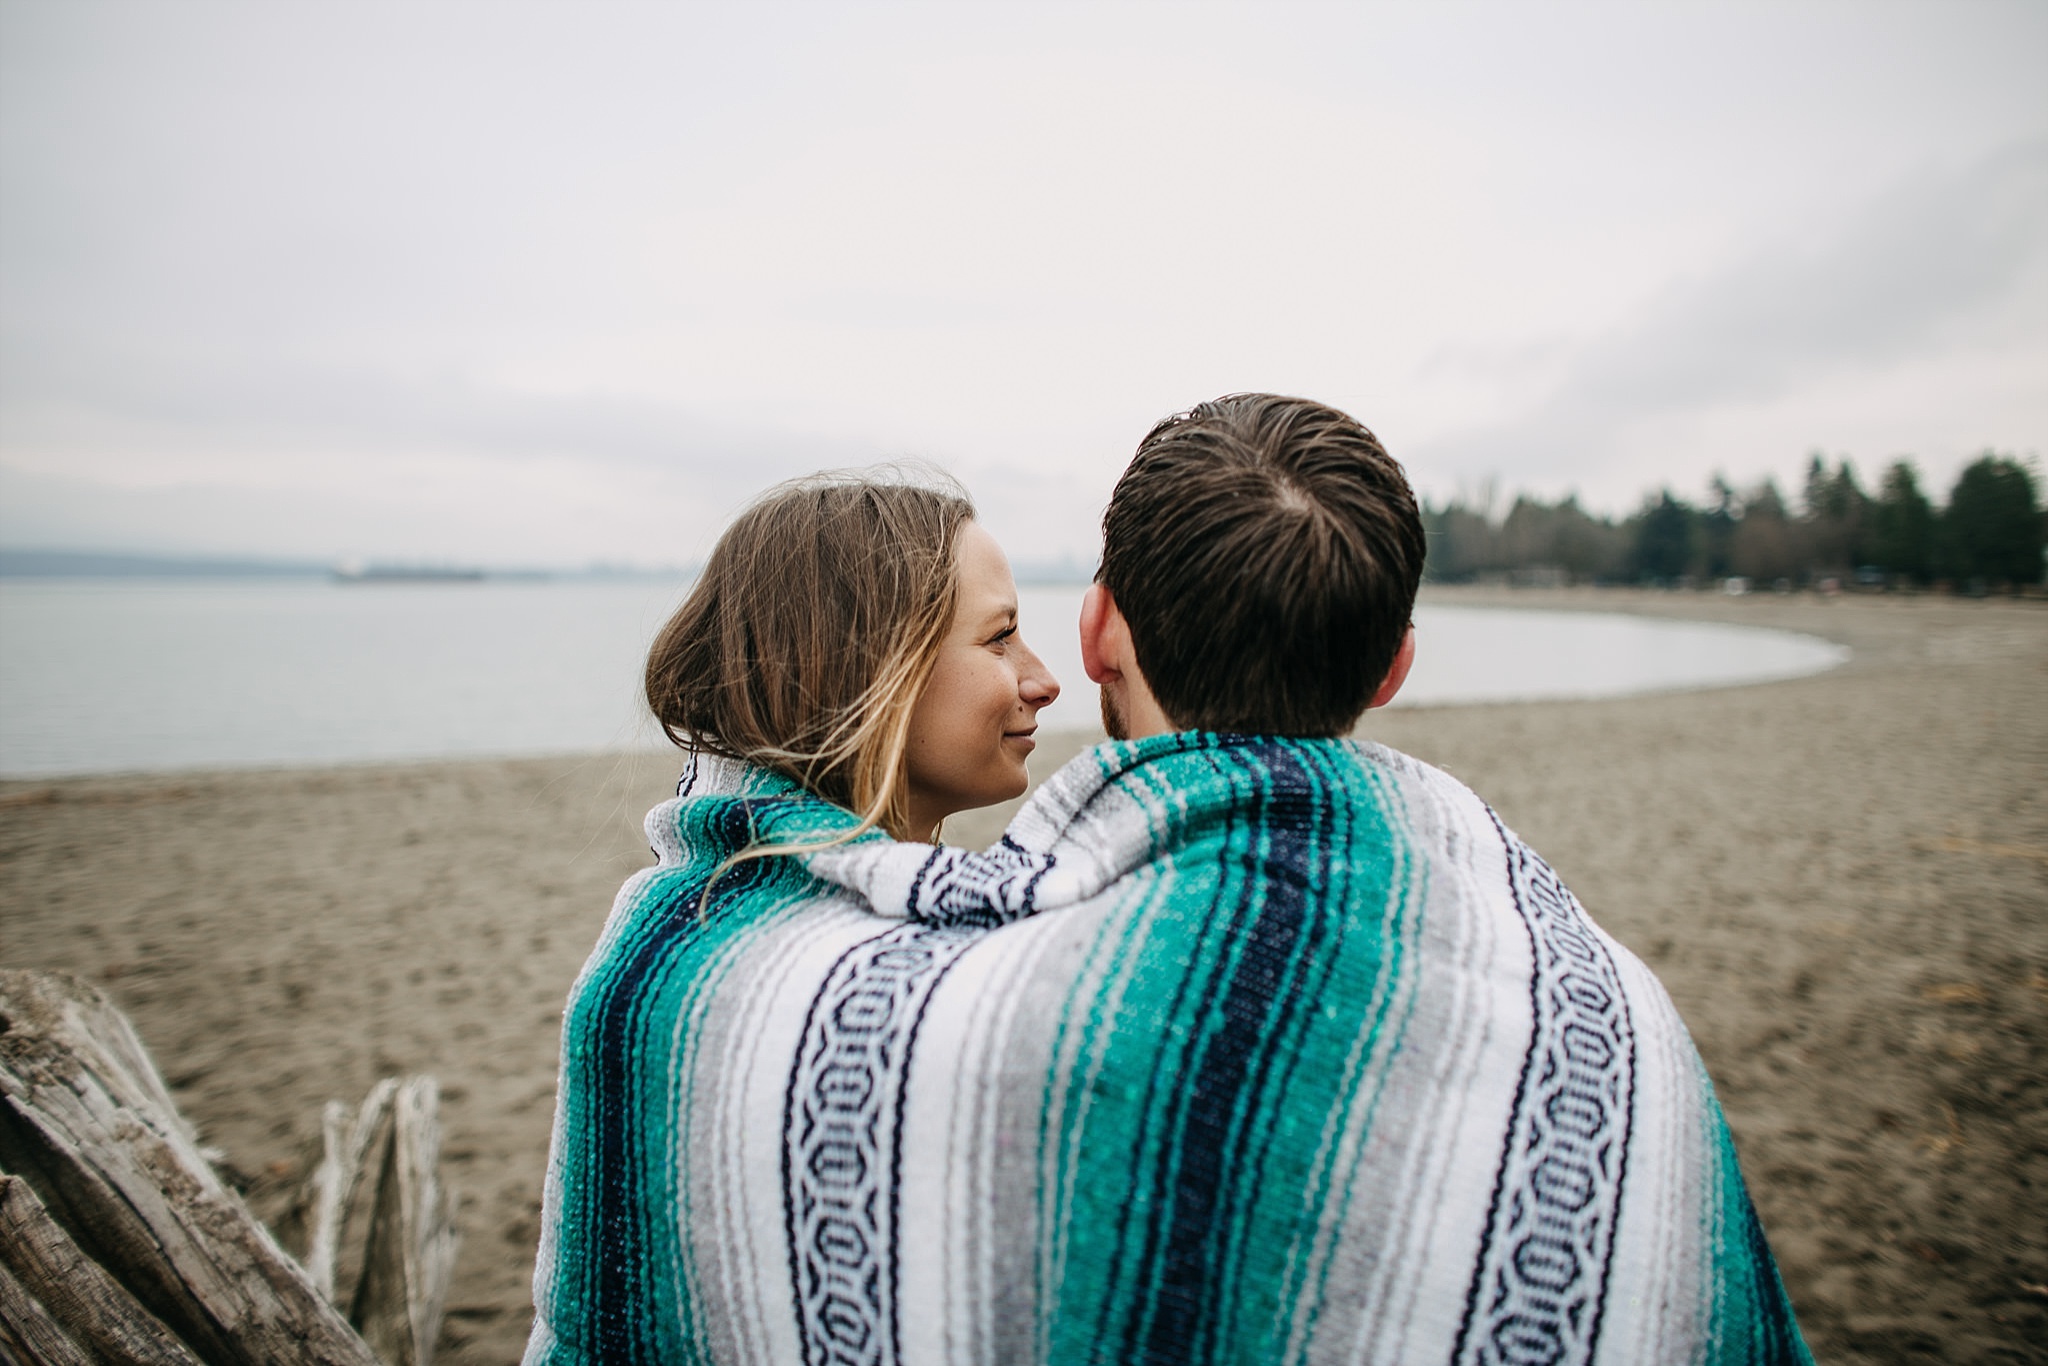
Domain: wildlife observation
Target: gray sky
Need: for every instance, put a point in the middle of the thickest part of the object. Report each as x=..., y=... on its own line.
x=544, y=283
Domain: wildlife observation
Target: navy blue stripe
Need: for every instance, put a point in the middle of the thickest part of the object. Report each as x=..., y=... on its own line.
x=1318, y=970
x=1252, y=1003
x=616, y=1058
x=917, y=883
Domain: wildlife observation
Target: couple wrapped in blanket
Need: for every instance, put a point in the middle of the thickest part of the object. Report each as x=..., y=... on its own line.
x=1238, y=1047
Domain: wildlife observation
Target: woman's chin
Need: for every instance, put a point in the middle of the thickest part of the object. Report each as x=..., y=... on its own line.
x=1016, y=782
x=1013, y=783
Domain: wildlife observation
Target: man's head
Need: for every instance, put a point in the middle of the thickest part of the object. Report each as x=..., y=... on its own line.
x=1260, y=557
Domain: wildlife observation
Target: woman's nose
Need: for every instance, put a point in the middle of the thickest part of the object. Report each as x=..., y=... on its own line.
x=1035, y=683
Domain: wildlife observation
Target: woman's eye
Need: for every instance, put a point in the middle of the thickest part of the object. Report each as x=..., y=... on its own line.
x=1002, y=637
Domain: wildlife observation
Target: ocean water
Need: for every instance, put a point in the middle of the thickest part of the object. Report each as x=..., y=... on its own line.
x=119, y=675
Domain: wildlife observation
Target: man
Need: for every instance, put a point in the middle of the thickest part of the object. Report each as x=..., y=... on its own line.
x=1293, y=1052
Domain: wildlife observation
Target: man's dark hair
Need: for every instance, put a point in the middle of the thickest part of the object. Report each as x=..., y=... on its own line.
x=1265, y=552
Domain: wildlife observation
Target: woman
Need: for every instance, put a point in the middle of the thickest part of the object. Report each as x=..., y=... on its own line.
x=858, y=636
x=848, y=667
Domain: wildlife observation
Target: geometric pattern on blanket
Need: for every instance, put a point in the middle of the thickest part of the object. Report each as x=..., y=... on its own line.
x=1538, y=1292
x=1233, y=1050
x=842, y=1139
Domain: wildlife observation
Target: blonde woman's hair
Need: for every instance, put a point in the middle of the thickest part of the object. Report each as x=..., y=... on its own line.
x=805, y=644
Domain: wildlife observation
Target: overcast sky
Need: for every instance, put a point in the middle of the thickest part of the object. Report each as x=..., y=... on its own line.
x=547, y=283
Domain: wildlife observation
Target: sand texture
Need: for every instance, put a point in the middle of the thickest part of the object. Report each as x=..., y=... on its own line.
x=1843, y=881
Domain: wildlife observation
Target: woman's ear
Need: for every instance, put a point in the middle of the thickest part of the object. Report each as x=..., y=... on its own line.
x=1104, y=637
x=1397, y=673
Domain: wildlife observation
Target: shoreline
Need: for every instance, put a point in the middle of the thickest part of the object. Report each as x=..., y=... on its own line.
x=1842, y=880
x=638, y=735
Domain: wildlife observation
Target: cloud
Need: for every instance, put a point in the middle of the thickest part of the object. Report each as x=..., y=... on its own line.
x=77, y=404
x=196, y=454
x=1890, y=285
x=372, y=256
x=463, y=510
x=1947, y=263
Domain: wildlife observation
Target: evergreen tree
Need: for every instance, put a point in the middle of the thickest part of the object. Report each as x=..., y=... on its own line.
x=1992, y=532
x=1836, y=513
x=1664, y=538
x=1902, y=531
x=1717, y=529
x=1848, y=517
x=1992, y=529
x=1813, y=499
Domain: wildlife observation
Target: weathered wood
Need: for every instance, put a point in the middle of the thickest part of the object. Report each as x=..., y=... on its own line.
x=86, y=1121
x=29, y=1334
x=427, y=1208
x=378, y=1311
x=93, y=1310
x=384, y=1240
x=342, y=1200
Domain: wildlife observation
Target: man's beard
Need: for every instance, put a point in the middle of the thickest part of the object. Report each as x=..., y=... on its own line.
x=1113, y=718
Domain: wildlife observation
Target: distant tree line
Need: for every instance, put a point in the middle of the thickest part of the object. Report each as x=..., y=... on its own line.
x=1988, y=536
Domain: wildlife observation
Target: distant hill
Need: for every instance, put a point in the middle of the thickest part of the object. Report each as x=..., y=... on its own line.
x=93, y=564
x=107, y=564
x=1064, y=571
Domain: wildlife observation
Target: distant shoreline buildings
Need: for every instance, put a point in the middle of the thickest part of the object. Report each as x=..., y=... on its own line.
x=355, y=571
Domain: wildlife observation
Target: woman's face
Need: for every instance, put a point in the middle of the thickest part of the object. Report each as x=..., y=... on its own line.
x=971, y=728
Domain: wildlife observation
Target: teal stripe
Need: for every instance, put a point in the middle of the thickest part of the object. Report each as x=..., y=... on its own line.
x=1117, y=947
x=625, y=1281
x=1277, y=1178
x=1120, y=947
x=1751, y=1316
x=1209, y=956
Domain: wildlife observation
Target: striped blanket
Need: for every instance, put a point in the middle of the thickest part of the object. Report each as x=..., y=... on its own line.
x=1233, y=1050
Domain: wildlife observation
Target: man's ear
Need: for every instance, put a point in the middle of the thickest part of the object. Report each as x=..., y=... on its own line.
x=1105, y=639
x=1129, y=710
x=1397, y=673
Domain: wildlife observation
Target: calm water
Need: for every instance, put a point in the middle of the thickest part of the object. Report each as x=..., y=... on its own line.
x=119, y=675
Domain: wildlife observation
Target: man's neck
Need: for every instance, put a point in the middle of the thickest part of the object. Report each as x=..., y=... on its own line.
x=1132, y=713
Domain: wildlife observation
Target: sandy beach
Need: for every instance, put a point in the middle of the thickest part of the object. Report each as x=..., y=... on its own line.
x=1842, y=880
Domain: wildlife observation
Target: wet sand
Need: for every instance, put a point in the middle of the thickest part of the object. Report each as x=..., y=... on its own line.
x=1843, y=881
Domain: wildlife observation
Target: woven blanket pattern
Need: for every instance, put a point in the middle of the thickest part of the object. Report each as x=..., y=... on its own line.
x=1233, y=1050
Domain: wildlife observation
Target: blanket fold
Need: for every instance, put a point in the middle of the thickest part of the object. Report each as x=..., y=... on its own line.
x=1233, y=1050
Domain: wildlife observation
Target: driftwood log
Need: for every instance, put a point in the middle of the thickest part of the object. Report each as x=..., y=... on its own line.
x=62, y=1302
x=382, y=1239
x=119, y=1242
